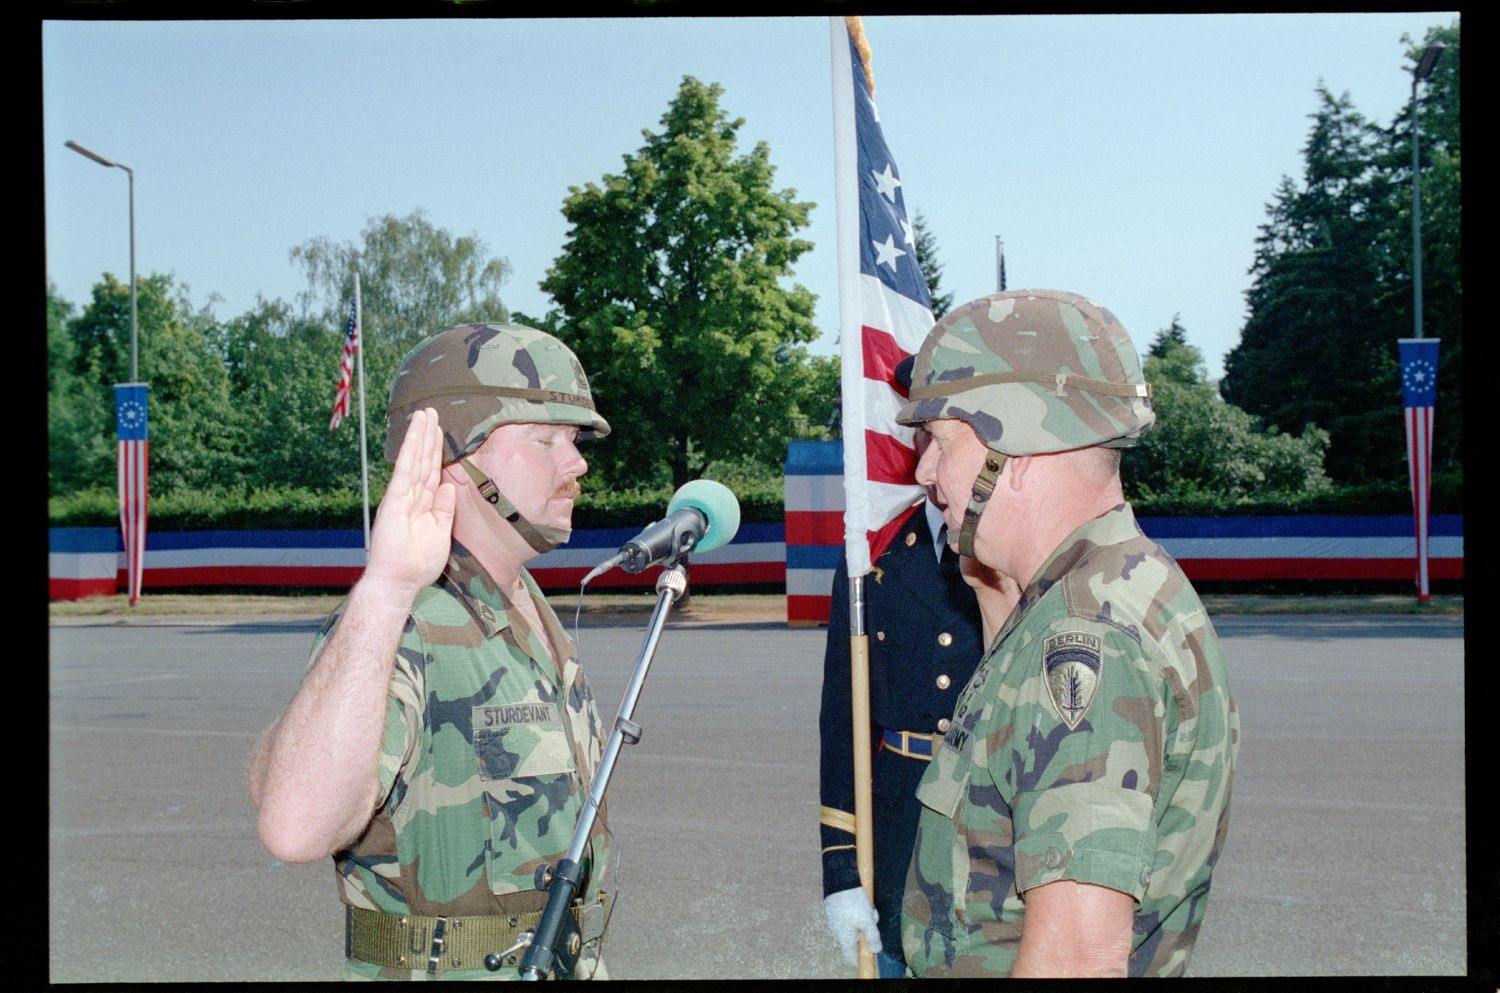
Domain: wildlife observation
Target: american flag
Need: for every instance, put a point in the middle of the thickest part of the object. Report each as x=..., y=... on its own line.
x=346, y=367
x=885, y=309
x=132, y=451
x=1419, y=395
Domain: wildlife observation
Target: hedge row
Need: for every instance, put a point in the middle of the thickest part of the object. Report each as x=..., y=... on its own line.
x=1371, y=498
x=299, y=509
x=759, y=502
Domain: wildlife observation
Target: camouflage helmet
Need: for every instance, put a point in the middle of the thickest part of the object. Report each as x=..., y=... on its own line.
x=1033, y=372
x=479, y=376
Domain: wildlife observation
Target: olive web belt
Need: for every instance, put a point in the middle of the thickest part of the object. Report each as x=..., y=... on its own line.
x=436, y=944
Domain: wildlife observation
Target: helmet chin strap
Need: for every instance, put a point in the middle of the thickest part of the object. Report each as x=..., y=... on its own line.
x=984, y=485
x=541, y=537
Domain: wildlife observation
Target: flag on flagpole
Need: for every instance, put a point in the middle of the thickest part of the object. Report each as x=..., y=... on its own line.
x=884, y=307
x=364, y=448
x=132, y=450
x=1419, y=396
x=346, y=368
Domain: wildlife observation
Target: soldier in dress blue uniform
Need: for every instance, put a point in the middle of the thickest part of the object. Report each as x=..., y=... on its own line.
x=925, y=640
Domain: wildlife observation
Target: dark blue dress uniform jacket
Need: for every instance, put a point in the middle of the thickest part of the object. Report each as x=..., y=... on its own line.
x=925, y=640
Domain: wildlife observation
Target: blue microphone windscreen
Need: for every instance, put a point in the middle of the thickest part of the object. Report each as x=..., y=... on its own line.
x=717, y=505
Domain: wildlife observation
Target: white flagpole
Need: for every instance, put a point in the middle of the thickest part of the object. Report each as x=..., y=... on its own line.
x=851, y=368
x=364, y=459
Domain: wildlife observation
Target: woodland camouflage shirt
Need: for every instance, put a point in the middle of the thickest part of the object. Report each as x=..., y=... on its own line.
x=489, y=749
x=1095, y=742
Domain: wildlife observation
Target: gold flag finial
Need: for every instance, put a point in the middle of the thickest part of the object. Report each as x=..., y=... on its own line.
x=862, y=45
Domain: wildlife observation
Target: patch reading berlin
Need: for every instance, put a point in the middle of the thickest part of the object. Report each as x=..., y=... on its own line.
x=1071, y=662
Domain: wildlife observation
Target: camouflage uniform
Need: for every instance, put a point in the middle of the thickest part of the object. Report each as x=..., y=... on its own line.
x=488, y=752
x=1096, y=741
x=491, y=742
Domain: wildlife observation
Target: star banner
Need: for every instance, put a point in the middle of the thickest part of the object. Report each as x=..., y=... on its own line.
x=1419, y=397
x=885, y=309
x=132, y=450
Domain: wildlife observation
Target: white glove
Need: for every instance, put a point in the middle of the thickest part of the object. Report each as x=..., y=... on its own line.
x=849, y=914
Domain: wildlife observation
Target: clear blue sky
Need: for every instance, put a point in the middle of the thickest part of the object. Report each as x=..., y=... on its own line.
x=1126, y=157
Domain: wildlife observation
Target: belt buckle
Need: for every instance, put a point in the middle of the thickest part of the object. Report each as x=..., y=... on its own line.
x=439, y=933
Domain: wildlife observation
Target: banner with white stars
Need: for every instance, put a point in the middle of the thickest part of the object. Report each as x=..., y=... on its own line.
x=1419, y=358
x=132, y=450
x=884, y=309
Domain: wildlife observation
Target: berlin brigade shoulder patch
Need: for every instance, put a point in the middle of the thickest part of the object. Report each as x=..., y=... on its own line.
x=1071, y=663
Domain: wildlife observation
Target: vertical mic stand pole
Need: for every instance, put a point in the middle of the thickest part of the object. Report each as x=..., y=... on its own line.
x=551, y=943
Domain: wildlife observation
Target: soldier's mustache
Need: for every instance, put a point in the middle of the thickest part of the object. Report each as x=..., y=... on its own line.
x=570, y=489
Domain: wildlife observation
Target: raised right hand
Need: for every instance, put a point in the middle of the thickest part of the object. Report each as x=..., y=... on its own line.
x=413, y=530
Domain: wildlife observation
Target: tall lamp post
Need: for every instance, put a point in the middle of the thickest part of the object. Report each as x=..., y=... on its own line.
x=1419, y=353
x=132, y=447
x=131, y=176
x=1423, y=69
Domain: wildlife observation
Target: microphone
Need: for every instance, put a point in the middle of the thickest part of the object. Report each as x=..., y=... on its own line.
x=701, y=515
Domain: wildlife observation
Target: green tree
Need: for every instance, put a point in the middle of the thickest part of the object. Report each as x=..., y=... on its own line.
x=415, y=280
x=1171, y=344
x=80, y=449
x=284, y=369
x=818, y=393
x=195, y=431
x=1332, y=290
x=1316, y=347
x=670, y=289
x=198, y=435
x=1207, y=452
x=932, y=269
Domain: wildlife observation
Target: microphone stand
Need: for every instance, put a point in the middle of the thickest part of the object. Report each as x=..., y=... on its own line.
x=557, y=942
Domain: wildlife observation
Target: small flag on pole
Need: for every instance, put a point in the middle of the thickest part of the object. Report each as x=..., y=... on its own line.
x=131, y=460
x=346, y=368
x=885, y=308
x=1419, y=396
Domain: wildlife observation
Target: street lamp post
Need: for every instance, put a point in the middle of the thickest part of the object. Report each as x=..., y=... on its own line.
x=1419, y=353
x=1423, y=69
x=131, y=175
x=132, y=448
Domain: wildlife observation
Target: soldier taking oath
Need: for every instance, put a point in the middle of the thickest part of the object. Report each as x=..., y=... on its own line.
x=443, y=740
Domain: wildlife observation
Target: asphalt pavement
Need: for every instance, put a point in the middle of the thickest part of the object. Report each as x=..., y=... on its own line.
x=1346, y=855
